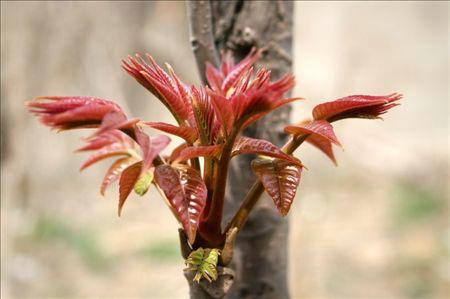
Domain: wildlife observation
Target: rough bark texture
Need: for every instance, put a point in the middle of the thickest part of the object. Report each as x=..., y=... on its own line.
x=260, y=257
x=201, y=34
x=260, y=260
x=216, y=289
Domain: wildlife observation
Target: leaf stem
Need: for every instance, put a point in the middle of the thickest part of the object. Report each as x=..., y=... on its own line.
x=214, y=218
x=195, y=163
x=257, y=189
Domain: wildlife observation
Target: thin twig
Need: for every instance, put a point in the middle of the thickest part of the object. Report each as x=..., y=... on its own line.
x=201, y=34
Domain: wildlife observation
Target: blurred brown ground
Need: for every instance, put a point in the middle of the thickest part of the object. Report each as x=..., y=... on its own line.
x=374, y=227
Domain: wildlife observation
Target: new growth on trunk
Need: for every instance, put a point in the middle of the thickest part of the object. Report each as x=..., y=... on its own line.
x=214, y=120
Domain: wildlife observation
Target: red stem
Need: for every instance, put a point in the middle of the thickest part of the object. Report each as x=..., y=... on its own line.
x=212, y=225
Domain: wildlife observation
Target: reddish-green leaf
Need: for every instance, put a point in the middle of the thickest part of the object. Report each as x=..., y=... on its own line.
x=65, y=113
x=323, y=145
x=204, y=115
x=176, y=152
x=246, y=145
x=186, y=193
x=321, y=128
x=236, y=72
x=356, y=106
x=187, y=133
x=320, y=134
x=214, y=77
x=96, y=142
x=174, y=102
x=114, y=173
x=184, y=93
x=261, y=96
x=106, y=152
x=108, y=144
x=275, y=106
x=280, y=179
x=223, y=110
x=151, y=147
x=128, y=179
x=166, y=89
x=118, y=121
x=229, y=75
x=208, y=151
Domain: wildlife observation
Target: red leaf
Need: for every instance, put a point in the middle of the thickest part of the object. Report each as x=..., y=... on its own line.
x=186, y=193
x=184, y=93
x=246, y=145
x=324, y=145
x=209, y=151
x=106, y=152
x=118, y=121
x=320, y=129
x=248, y=99
x=238, y=70
x=321, y=135
x=128, y=179
x=261, y=96
x=356, y=106
x=183, y=90
x=114, y=173
x=134, y=68
x=65, y=113
x=167, y=90
x=174, y=102
x=187, y=133
x=214, y=77
x=96, y=142
x=176, y=152
x=108, y=144
x=257, y=116
x=280, y=179
x=204, y=115
x=223, y=110
x=151, y=147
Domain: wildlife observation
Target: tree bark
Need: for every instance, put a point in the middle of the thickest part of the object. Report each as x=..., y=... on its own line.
x=260, y=256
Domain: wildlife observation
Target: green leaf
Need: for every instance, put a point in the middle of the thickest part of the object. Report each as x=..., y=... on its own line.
x=144, y=182
x=204, y=263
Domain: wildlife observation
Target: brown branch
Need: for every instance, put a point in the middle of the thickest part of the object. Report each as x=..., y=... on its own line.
x=201, y=34
x=227, y=251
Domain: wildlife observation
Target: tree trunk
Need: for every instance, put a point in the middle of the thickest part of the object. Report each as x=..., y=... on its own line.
x=260, y=256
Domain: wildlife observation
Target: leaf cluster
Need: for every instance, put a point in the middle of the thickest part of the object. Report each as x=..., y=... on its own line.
x=210, y=120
